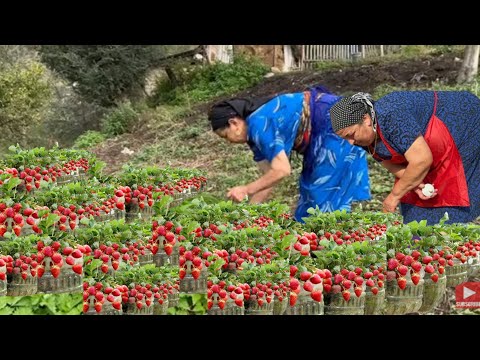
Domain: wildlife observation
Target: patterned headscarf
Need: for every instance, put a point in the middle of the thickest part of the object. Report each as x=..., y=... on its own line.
x=350, y=110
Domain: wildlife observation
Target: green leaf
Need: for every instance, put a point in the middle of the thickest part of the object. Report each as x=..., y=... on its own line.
x=6, y=311
x=24, y=301
x=197, y=298
x=49, y=301
x=67, y=302
x=4, y=300
x=183, y=304
x=24, y=311
x=51, y=219
x=12, y=183
x=200, y=308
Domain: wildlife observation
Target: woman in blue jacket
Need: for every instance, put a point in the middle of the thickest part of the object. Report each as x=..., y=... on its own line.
x=334, y=172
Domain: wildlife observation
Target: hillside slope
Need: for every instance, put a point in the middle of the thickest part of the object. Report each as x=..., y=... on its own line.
x=169, y=136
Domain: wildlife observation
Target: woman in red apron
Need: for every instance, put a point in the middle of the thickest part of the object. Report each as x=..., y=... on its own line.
x=421, y=137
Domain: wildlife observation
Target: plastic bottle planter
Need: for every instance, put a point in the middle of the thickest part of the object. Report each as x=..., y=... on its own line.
x=66, y=281
x=173, y=298
x=227, y=310
x=135, y=212
x=457, y=273
x=305, y=305
x=432, y=293
x=65, y=179
x=335, y=304
x=279, y=307
x=230, y=307
x=146, y=259
x=107, y=308
x=374, y=303
x=473, y=266
x=161, y=259
x=190, y=285
x=404, y=301
x=252, y=307
x=3, y=287
x=16, y=286
x=3, y=278
x=160, y=309
x=132, y=309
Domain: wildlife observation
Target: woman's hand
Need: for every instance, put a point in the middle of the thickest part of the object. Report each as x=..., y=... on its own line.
x=390, y=203
x=421, y=195
x=238, y=193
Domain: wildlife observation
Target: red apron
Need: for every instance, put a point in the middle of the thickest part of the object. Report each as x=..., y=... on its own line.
x=446, y=173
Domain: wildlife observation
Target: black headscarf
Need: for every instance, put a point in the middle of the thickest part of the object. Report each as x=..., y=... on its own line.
x=222, y=111
x=350, y=110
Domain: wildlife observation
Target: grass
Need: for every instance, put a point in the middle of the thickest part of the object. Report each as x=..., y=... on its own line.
x=194, y=145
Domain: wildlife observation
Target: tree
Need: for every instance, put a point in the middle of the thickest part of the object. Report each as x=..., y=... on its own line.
x=103, y=74
x=24, y=97
x=469, y=68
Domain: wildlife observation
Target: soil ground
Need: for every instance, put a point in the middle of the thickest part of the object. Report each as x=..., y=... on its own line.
x=349, y=79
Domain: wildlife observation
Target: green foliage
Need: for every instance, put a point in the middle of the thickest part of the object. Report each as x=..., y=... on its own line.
x=89, y=139
x=205, y=82
x=327, y=65
x=42, y=304
x=104, y=74
x=194, y=304
x=24, y=95
x=120, y=120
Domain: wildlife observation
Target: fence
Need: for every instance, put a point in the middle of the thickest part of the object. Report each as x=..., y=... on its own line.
x=312, y=54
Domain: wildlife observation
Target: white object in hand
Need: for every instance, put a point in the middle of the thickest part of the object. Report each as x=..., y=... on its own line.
x=428, y=190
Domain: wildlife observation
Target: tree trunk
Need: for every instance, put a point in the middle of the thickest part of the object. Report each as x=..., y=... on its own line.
x=469, y=68
x=171, y=76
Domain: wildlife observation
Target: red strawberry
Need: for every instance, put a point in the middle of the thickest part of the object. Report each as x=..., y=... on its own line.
x=316, y=295
x=17, y=229
x=196, y=273
x=346, y=295
x=308, y=286
x=3, y=229
x=40, y=271
x=416, y=266
x=182, y=272
x=402, y=283
x=168, y=247
x=429, y=269
x=117, y=305
x=305, y=275
x=98, y=306
x=402, y=270
x=55, y=270
x=57, y=258
x=374, y=290
x=77, y=268
x=415, y=278
x=358, y=291
x=18, y=218
x=85, y=307
x=434, y=277
x=72, y=224
x=293, y=298
x=104, y=268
